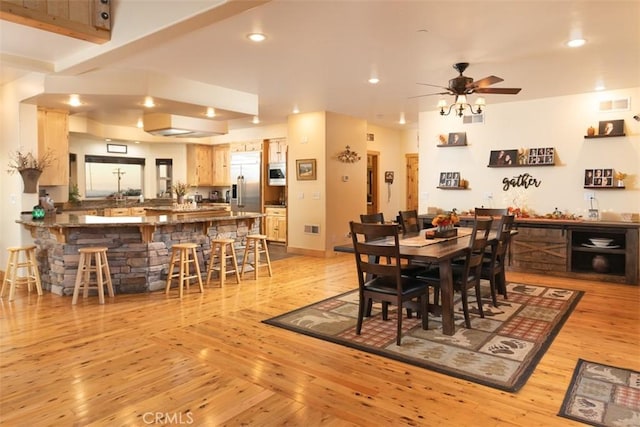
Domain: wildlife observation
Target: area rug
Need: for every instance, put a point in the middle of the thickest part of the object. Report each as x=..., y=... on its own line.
x=603, y=395
x=499, y=351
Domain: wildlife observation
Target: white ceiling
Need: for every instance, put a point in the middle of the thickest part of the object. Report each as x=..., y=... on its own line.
x=319, y=54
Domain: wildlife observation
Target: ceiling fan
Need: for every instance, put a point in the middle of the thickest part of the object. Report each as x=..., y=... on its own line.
x=462, y=86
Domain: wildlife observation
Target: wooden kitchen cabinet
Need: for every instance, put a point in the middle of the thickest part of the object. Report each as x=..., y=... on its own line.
x=221, y=165
x=276, y=224
x=241, y=147
x=199, y=165
x=277, y=151
x=53, y=136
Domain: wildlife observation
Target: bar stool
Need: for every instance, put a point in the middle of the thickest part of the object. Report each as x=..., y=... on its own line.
x=92, y=260
x=259, y=242
x=185, y=255
x=219, y=250
x=14, y=263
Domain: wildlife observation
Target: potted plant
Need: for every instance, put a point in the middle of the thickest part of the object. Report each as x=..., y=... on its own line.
x=29, y=167
x=180, y=188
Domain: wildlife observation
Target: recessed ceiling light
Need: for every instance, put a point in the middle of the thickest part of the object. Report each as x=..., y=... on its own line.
x=295, y=110
x=374, y=80
x=148, y=102
x=256, y=120
x=576, y=42
x=257, y=37
x=211, y=112
x=74, y=100
x=140, y=124
x=402, y=120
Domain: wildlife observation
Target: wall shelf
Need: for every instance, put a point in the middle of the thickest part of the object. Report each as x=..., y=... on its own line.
x=521, y=166
x=599, y=187
x=453, y=188
x=604, y=136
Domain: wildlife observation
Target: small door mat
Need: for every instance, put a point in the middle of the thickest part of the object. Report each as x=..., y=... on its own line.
x=603, y=395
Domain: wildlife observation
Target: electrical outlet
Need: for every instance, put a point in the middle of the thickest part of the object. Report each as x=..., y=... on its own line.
x=488, y=196
x=589, y=195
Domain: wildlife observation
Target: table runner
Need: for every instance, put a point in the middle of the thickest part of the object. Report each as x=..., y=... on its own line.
x=420, y=241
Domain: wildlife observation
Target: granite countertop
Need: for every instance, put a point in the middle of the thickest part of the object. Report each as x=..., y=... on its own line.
x=73, y=221
x=187, y=209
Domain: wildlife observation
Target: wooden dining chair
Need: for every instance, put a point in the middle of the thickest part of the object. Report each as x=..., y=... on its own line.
x=466, y=275
x=384, y=283
x=493, y=264
x=375, y=218
x=409, y=221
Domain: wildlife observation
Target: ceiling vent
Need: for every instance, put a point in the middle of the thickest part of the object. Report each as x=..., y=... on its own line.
x=160, y=124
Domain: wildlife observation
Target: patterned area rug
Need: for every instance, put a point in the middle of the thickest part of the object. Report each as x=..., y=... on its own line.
x=603, y=395
x=499, y=351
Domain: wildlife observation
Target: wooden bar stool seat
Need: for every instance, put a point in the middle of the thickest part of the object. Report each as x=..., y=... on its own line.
x=259, y=243
x=92, y=260
x=14, y=263
x=185, y=257
x=219, y=250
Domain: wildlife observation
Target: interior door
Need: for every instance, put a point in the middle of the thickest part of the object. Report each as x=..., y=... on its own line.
x=412, y=182
x=372, y=182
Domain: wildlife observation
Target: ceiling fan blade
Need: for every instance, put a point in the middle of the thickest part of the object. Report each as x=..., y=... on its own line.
x=438, y=86
x=499, y=90
x=429, y=94
x=487, y=81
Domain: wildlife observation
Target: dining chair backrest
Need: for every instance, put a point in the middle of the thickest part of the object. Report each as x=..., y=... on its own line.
x=504, y=236
x=495, y=213
x=409, y=221
x=367, y=248
x=376, y=218
x=477, y=244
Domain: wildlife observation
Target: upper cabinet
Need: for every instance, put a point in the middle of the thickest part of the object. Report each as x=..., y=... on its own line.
x=53, y=135
x=221, y=165
x=199, y=164
x=277, y=151
x=241, y=147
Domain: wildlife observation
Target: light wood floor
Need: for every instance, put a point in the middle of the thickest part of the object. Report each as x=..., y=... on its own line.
x=208, y=360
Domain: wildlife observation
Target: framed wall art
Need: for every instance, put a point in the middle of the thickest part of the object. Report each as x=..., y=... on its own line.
x=457, y=138
x=306, y=169
x=598, y=178
x=500, y=158
x=611, y=128
x=449, y=180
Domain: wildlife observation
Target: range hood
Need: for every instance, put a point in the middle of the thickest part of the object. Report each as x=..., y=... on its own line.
x=161, y=124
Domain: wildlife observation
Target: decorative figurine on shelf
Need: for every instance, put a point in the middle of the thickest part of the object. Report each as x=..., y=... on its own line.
x=591, y=131
x=620, y=176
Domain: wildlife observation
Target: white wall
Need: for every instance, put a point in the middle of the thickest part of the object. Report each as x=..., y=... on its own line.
x=18, y=130
x=559, y=122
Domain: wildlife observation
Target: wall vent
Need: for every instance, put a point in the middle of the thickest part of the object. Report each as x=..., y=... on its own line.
x=608, y=105
x=472, y=119
x=312, y=229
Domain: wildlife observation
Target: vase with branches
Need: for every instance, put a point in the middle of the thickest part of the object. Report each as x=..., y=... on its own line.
x=180, y=189
x=29, y=166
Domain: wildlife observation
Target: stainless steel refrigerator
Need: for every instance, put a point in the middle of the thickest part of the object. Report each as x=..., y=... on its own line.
x=245, y=178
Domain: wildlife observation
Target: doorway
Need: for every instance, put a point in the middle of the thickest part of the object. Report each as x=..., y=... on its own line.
x=372, y=182
x=412, y=181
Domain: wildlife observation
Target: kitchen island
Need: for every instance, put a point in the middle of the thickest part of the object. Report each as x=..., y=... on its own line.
x=139, y=246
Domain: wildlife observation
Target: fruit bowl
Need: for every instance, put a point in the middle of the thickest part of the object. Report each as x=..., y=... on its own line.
x=601, y=243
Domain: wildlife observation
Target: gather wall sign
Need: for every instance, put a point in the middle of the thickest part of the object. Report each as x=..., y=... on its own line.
x=523, y=180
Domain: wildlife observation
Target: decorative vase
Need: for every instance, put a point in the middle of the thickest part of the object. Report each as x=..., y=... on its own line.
x=600, y=264
x=180, y=200
x=591, y=131
x=620, y=183
x=30, y=179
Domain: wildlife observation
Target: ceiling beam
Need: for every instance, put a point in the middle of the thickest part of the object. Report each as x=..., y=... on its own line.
x=88, y=20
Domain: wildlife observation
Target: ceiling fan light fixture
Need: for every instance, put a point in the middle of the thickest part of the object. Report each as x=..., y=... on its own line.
x=461, y=105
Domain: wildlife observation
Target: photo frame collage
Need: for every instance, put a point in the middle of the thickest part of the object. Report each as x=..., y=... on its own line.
x=594, y=178
x=449, y=179
x=541, y=156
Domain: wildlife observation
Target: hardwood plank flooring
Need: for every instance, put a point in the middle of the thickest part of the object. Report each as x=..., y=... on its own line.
x=207, y=360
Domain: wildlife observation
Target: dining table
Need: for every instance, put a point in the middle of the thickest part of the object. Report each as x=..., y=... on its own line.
x=437, y=251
